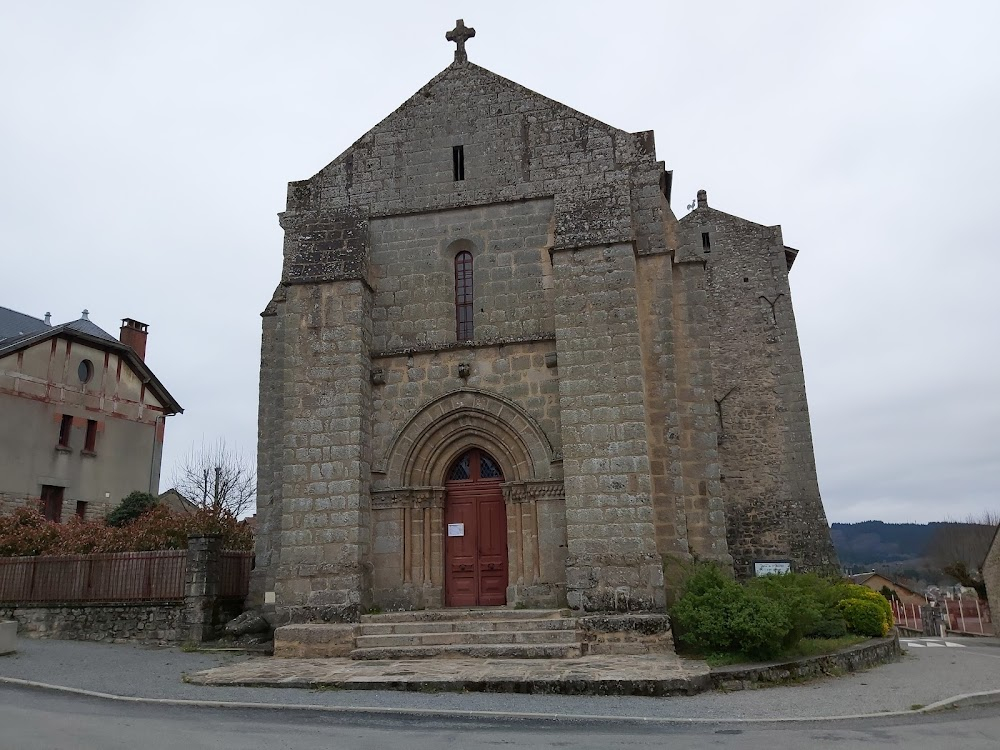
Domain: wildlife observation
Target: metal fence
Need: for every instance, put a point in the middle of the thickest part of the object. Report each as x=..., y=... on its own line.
x=112, y=577
x=960, y=616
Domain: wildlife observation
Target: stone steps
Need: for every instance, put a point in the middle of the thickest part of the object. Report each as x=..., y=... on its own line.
x=481, y=633
x=478, y=633
x=464, y=626
x=476, y=650
x=565, y=637
x=495, y=614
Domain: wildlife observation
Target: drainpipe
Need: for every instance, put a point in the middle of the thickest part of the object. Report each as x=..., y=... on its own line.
x=152, y=454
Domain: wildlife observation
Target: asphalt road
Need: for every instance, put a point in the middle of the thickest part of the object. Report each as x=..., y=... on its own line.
x=39, y=720
x=925, y=676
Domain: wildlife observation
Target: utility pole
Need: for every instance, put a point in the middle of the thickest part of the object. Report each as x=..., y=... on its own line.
x=218, y=481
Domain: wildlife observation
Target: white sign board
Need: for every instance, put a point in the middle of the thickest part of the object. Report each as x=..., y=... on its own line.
x=456, y=529
x=771, y=568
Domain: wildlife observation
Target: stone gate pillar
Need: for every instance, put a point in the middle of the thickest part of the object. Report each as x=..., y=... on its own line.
x=202, y=579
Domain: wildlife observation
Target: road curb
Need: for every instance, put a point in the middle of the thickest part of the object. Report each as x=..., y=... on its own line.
x=959, y=701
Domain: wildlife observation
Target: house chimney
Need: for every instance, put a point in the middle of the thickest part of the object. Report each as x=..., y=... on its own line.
x=134, y=334
x=48, y=318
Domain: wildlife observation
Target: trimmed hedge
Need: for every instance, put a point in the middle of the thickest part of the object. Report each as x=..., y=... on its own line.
x=26, y=532
x=765, y=616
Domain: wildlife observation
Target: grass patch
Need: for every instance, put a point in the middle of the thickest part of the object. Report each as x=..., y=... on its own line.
x=804, y=648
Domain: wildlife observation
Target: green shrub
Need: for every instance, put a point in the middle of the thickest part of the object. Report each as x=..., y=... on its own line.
x=831, y=626
x=864, y=617
x=769, y=616
x=761, y=626
x=717, y=615
x=799, y=595
x=130, y=508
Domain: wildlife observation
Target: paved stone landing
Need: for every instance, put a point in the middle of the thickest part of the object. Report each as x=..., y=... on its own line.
x=650, y=674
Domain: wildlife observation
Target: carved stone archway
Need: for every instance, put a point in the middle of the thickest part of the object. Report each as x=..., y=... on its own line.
x=409, y=511
x=451, y=424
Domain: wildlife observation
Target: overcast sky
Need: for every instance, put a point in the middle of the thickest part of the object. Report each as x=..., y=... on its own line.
x=145, y=148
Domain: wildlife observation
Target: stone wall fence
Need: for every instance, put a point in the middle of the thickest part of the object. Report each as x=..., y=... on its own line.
x=165, y=596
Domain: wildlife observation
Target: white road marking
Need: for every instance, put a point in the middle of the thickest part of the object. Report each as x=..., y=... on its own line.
x=928, y=643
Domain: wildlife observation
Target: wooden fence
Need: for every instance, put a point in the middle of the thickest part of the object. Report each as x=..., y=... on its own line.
x=117, y=577
x=235, y=573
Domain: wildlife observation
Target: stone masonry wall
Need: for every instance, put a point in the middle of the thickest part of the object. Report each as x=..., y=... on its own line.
x=516, y=371
x=612, y=561
x=270, y=447
x=109, y=623
x=696, y=472
x=991, y=571
x=768, y=468
x=9, y=502
x=323, y=570
x=413, y=273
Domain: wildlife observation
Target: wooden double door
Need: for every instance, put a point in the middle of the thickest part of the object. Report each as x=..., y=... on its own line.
x=475, y=533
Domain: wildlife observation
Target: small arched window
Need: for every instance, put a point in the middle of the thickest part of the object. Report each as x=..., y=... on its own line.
x=463, y=296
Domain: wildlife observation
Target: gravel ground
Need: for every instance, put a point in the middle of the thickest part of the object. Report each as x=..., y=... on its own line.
x=924, y=676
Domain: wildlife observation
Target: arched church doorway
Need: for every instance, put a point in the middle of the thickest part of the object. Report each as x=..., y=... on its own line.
x=475, y=532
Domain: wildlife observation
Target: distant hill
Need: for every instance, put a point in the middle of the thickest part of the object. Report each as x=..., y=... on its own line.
x=876, y=543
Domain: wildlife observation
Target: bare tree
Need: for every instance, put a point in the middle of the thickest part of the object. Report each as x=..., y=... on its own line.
x=218, y=478
x=963, y=543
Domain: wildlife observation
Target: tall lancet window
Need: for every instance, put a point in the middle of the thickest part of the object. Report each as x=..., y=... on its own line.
x=463, y=296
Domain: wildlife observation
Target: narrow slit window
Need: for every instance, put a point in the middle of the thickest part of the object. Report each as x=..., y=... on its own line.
x=90, y=444
x=65, y=428
x=706, y=243
x=458, y=162
x=81, y=510
x=463, y=296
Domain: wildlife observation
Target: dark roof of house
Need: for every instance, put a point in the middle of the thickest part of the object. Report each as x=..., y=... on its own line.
x=87, y=332
x=85, y=325
x=14, y=324
x=862, y=578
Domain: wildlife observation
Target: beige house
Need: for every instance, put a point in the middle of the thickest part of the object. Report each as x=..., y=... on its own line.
x=81, y=416
x=877, y=581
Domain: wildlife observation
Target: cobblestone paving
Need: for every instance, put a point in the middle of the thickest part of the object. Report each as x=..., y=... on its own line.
x=624, y=675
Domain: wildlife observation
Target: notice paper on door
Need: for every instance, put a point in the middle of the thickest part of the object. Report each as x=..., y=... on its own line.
x=456, y=529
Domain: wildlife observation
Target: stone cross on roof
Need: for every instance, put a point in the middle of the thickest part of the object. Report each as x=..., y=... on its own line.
x=460, y=35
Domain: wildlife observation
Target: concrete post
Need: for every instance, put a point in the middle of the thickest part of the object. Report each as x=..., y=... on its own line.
x=8, y=636
x=201, y=585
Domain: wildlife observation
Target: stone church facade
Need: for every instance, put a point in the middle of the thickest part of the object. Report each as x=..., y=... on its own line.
x=498, y=370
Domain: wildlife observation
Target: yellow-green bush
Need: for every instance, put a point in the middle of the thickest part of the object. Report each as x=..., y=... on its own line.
x=864, y=617
x=850, y=592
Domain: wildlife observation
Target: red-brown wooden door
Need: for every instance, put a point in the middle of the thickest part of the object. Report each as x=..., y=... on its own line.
x=475, y=519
